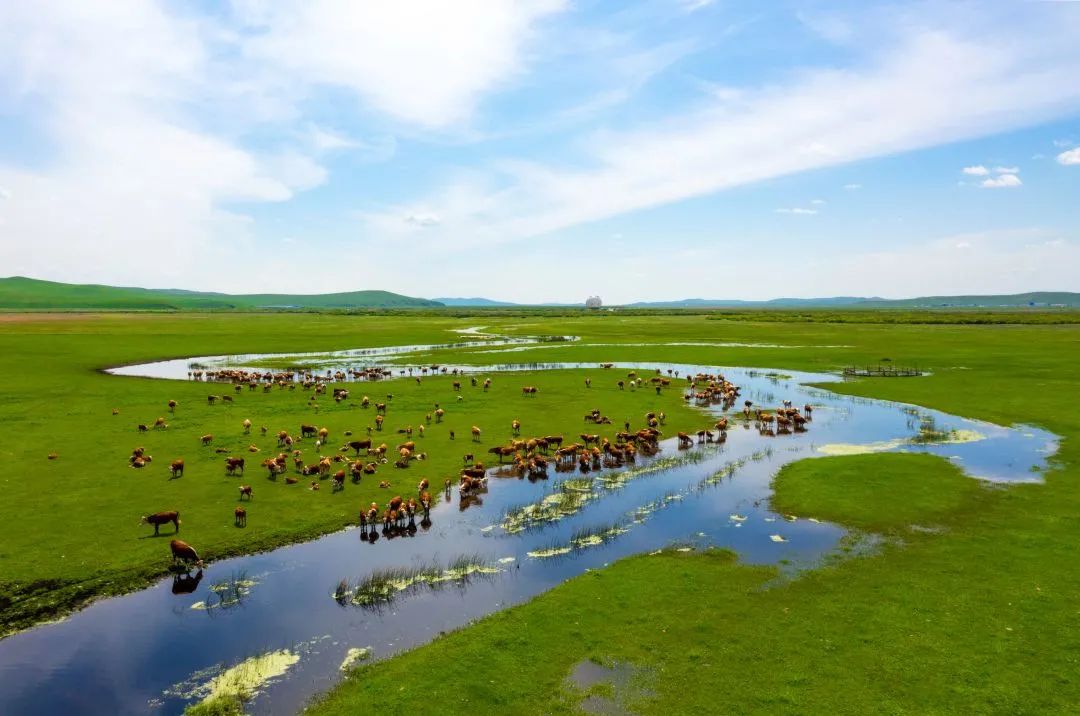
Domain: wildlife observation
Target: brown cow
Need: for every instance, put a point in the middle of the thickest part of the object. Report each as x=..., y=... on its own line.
x=162, y=518
x=357, y=445
x=207, y=439
x=240, y=517
x=172, y=405
x=183, y=552
x=475, y=434
x=232, y=464
x=245, y=490
x=176, y=468
x=515, y=427
x=529, y=390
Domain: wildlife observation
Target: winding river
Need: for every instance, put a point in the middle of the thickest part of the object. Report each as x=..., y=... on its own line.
x=156, y=651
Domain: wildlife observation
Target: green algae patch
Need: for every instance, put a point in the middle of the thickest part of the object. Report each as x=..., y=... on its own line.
x=355, y=655
x=226, y=692
x=550, y=552
x=848, y=449
x=925, y=436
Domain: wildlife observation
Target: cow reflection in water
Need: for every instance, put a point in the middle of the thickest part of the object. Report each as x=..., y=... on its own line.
x=185, y=583
x=474, y=497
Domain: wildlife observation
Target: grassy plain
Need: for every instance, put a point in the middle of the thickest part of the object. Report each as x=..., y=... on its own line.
x=69, y=527
x=978, y=616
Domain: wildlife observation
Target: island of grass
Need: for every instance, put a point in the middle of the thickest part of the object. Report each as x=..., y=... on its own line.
x=878, y=493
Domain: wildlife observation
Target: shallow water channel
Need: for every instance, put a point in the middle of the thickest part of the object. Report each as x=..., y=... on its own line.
x=155, y=651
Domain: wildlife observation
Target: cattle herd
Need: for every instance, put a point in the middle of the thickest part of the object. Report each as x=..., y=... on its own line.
x=522, y=457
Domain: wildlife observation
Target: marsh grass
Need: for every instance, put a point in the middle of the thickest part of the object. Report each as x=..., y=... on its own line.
x=582, y=539
x=384, y=585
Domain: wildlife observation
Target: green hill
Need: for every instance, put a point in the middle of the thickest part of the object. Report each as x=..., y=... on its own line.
x=19, y=292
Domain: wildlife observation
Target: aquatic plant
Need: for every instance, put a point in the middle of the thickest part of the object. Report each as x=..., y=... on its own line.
x=228, y=593
x=382, y=586
x=584, y=538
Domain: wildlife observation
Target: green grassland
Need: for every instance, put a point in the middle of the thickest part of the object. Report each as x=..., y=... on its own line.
x=977, y=616
x=69, y=527
x=883, y=493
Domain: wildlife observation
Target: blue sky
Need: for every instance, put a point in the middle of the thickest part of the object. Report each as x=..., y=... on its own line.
x=543, y=150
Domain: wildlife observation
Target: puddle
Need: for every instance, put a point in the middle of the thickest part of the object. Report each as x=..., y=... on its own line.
x=615, y=684
x=123, y=655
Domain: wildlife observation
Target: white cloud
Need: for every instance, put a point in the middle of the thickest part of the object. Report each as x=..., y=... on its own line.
x=1062, y=143
x=423, y=219
x=797, y=210
x=130, y=174
x=976, y=171
x=5, y=193
x=853, y=187
x=1070, y=157
x=819, y=202
x=1002, y=181
x=428, y=62
x=1006, y=170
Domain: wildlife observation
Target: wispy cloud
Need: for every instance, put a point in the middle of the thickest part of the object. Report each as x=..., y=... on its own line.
x=423, y=219
x=1002, y=181
x=976, y=171
x=797, y=210
x=819, y=119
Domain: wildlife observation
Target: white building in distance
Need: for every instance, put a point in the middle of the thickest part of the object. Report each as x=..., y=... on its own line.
x=593, y=302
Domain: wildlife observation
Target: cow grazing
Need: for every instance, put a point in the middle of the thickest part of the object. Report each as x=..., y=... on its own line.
x=176, y=468
x=232, y=464
x=529, y=390
x=162, y=518
x=245, y=491
x=247, y=426
x=515, y=427
x=207, y=439
x=240, y=517
x=475, y=434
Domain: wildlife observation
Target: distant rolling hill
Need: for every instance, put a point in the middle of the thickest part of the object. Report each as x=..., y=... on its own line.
x=19, y=292
x=472, y=302
x=834, y=302
x=1018, y=300
x=1013, y=300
